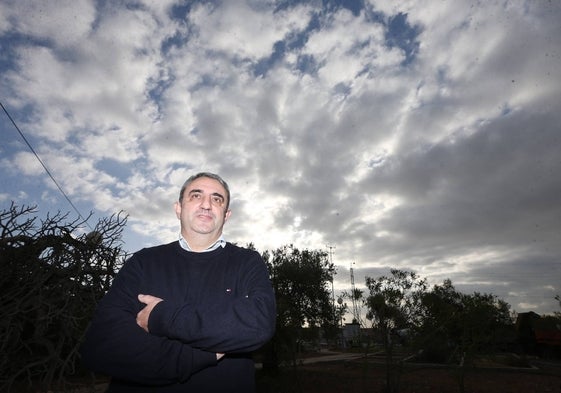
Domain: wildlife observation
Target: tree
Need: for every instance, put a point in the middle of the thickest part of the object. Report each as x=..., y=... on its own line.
x=52, y=275
x=394, y=306
x=441, y=325
x=301, y=280
x=469, y=324
x=456, y=327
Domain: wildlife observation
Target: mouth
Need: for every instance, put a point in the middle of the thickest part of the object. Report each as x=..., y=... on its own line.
x=205, y=215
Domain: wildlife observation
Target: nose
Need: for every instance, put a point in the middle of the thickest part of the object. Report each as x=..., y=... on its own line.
x=205, y=202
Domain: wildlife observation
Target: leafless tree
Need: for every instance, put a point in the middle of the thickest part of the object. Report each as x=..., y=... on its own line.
x=52, y=274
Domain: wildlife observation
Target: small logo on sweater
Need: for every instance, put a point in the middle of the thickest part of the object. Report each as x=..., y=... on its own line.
x=228, y=290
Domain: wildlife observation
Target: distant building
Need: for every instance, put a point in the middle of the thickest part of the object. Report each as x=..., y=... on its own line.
x=351, y=334
x=539, y=335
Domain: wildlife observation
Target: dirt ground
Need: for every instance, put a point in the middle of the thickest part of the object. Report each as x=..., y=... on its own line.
x=360, y=376
x=352, y=373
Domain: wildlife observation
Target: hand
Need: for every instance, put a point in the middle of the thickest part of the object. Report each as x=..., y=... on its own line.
x=144, y=314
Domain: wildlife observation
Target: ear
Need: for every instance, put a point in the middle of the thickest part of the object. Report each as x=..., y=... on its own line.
x=177, y=206
x=227, y=215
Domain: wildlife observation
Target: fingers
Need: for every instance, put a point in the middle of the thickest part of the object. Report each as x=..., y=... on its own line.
x=142, y=319
x=148, y=299
x=143, y=315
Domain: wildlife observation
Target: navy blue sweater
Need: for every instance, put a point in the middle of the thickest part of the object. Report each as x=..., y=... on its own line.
x=215, y=302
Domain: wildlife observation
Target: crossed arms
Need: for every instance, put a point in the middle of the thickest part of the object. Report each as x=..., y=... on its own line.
x=150, y=340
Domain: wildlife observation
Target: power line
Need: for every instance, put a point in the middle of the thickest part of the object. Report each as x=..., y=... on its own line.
x=44, y=166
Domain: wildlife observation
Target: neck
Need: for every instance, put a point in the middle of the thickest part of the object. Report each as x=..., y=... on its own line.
x=198, y=242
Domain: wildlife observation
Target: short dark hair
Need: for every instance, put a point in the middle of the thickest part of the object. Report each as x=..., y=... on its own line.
x=210, y=176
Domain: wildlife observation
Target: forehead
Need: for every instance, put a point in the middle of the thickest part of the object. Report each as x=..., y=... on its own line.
x=207, y=185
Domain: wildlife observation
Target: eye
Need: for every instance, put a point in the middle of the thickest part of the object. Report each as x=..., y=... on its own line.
x=194, y=196
x=217, y=200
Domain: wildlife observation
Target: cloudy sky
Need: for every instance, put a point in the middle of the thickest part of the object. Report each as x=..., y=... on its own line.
x=419, y=135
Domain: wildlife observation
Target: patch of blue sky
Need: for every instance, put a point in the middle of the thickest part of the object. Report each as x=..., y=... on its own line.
x=308, y=64
x=342, y=89
x=506, y=109
x=180, y=167
x=355, y=6
x=266, y=63
x=378, y=159
x=11, y=142
x=158, y=86
x=117, y=169
x=180, y=11
x=15, y=39
x=286, y=4
x=291, y=43
x=209, y=80
x=12, y=41
x=7, y=55
x=402, y=35
x=176, y=41
x=25, y=113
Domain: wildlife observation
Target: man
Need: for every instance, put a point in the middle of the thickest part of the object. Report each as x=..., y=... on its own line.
x=184, y=316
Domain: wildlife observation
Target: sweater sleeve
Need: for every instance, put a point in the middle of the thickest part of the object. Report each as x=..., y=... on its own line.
x=237, y=324
x=116, y=346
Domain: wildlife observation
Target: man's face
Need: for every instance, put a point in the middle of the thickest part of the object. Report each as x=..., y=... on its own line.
x=202, y=210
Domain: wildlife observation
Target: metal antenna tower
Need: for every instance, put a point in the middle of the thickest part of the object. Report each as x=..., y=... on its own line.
x=331, y=248
x=356, y=316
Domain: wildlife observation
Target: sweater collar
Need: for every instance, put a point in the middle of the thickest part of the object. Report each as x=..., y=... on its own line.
x=221, y=242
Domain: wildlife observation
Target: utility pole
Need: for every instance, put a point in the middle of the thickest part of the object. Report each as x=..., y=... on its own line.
x=331, y=248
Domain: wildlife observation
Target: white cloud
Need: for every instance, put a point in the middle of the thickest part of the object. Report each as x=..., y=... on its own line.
x=27, y=164
x=444, y=163
x=347, y=46
x=243, y=29
x=64, y=22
